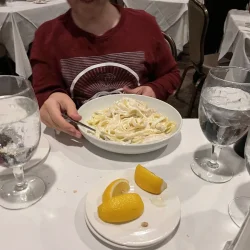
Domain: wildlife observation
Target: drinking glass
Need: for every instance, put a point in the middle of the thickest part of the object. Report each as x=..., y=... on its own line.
x=224, y=116
x=238, y=208
x=20, y=131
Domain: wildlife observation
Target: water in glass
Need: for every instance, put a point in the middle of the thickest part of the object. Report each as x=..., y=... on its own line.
x=19, y=130
x=224, y=114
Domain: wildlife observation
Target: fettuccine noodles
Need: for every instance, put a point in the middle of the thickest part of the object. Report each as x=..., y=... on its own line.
x=130, y=121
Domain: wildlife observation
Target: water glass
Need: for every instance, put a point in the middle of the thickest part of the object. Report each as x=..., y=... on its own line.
x=20, y=131
x=224, y=116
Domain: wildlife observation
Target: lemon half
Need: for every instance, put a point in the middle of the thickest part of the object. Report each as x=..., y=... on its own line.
x=121, y=209
x=115, y=188
x=148, y=181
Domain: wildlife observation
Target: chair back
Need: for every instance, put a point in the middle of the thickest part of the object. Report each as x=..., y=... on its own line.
x=3, y=51
x=171, y=44
x=118, y=2
x=198, y=23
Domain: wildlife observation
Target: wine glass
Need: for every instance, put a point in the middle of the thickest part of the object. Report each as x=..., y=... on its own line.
x=224, y=115
x=20, y=131
x=238, y=208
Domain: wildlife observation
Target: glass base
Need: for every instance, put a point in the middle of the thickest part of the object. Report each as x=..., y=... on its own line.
x=11, y=198
x=202, y=167
x=238, y=209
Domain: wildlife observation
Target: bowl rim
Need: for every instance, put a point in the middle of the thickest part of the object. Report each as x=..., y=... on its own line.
x=83, y=130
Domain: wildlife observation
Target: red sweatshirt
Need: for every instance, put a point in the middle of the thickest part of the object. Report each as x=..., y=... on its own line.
x=61, y=51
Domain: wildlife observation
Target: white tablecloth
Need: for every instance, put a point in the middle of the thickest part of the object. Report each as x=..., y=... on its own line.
x=19, y=21
x=56, y=222
x=237, y=38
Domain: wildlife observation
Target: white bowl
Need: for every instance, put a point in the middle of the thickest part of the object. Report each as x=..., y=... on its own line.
x=87, y=110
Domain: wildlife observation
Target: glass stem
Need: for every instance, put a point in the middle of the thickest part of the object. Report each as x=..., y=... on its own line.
x=19, y=176
x=214, y=157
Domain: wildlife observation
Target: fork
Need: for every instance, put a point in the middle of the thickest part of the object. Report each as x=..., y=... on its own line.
x=77, y=122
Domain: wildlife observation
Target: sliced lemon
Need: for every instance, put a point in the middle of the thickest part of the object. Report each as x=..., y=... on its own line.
x=115, y=188
x=148, y=181
x=121, y=209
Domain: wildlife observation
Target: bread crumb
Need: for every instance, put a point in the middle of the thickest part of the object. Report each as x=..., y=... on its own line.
x=75, y=191
x=144, y=224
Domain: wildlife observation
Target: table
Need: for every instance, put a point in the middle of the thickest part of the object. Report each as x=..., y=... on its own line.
x=237, y=38
x=171, y=15
x=56, y=221
x=18, y=23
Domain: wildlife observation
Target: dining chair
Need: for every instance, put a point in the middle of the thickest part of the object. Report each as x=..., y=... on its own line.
x=6, y=60
x=118, y=2
x=198, y=24
x=171, y=43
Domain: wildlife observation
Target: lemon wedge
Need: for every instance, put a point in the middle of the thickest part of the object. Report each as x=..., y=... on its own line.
x=148, y=181
x=115, y=188
x=121, y=209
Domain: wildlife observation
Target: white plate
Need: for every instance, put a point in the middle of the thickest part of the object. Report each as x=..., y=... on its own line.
x=162, y=221
x=97, y=235
x=100, y=103
x=41, y=152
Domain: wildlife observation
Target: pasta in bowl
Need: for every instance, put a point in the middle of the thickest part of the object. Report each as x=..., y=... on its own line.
x=129, y=124
x=130, y=121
